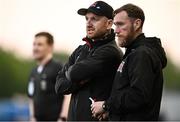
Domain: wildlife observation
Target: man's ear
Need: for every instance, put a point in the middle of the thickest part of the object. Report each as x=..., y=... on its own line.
x=51, y=48
x=110, y=23
x=137, y=24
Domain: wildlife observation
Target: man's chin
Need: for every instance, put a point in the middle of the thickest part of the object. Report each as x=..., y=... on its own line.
x=38, y=58
x=121, y=45
x=90, y=36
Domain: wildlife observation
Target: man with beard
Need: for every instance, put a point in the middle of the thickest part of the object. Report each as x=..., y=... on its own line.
x=91, y=68
x=137, y=88
x=45, y=104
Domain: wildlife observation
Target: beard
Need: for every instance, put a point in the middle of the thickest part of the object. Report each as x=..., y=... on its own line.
x=126, y=41
x=97, y=35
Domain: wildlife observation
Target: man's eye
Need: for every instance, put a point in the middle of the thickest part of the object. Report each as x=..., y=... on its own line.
x=95, y=19
x=39, y=44
x=119, y=24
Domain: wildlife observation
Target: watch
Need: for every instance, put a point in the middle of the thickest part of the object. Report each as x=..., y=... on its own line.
x=105, y=107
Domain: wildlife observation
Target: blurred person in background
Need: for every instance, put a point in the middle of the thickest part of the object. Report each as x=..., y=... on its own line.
x=45, y=104
x=137, y=89
x=91, y=68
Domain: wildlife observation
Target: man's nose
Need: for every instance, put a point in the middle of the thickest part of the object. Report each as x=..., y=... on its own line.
x=117, y=30
x=88, y=22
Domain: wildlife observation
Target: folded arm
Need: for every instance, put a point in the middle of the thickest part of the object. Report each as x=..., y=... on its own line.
x=90, y=66
x=63, y=85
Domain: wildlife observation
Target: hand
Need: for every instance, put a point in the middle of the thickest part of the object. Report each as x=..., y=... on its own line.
x=62, y=119
x=103, y=116
x=32, y=119
x=97, y=109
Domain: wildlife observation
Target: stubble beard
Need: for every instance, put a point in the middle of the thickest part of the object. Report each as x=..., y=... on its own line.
x=129, y=39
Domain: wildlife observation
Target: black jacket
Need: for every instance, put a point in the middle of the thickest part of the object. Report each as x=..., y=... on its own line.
x=89, y=72
x=47, y=104
x=138, y=84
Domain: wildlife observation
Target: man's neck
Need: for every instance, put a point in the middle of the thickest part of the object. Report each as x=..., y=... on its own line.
x=137, y=34
x=45, y=60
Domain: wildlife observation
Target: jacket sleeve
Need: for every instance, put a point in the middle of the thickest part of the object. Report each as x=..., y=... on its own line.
x=90, y=66
x=63, y=85
x=139, y=93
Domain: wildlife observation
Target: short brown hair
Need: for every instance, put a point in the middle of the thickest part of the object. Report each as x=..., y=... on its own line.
x=50, y=38
x=133, y=11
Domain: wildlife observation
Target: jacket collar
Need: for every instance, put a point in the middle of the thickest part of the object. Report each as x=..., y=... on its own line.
x=96, y=43
x=135, y=43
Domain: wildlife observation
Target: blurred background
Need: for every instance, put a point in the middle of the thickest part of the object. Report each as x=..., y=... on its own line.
x=20, y=20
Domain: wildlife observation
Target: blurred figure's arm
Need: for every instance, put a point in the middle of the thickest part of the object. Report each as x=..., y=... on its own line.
x=65, y=107
x=31, y=111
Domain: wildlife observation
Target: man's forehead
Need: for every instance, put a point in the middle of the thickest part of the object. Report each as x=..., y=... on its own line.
x=40, y=39
x=121, y=16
